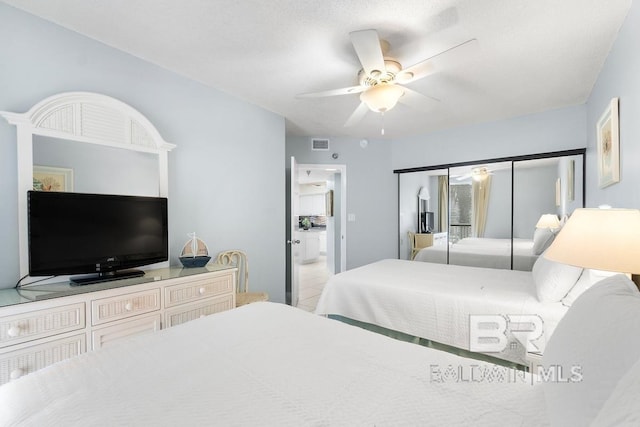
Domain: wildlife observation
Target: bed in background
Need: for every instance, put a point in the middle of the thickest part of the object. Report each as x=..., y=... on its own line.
x=434, y=301
x=491, y=253
x=269, y=364
x=483, y=252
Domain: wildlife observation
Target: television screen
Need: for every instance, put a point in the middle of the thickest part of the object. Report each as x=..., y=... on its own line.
x=76, y=233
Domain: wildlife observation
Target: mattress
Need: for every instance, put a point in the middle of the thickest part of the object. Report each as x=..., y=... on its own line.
x=483, y=252
x=434, y=301
x=270, y=364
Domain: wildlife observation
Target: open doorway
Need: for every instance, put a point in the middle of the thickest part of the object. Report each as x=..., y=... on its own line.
x=318, y=222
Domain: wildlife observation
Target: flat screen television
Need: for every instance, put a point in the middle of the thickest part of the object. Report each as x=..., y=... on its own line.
x=77, y=233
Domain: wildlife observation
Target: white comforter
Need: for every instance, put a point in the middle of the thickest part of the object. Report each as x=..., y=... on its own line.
x=434, y=301
x=270, y=365
x=483, y=252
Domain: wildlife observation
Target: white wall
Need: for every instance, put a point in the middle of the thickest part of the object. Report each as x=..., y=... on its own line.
x=620, y=77
x=226, y=147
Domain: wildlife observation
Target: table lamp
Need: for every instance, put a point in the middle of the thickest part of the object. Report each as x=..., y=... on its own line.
x=601, y=239
x=549, y=221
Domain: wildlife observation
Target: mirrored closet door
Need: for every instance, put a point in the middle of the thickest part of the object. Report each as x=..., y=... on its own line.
x=500, y=213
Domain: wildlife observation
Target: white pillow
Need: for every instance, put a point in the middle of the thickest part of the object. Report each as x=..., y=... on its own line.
x=622, y=409
x=552, y=279
x=598, y=335
x=588, y=278
x=542, y=239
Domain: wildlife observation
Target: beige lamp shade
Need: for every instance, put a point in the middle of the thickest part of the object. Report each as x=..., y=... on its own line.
x=602, y=239
x=548, y=221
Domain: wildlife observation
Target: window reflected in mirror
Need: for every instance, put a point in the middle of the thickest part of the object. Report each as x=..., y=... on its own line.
x=480, y=215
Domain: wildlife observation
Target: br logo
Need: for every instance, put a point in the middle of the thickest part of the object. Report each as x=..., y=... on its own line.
x=488, y=333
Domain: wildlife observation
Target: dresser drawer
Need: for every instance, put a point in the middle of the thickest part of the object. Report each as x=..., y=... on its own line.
x=189, y=312
x=29, y=326
x=101, y=337
x=29, y=358
x=122, y=306
x=199, y=289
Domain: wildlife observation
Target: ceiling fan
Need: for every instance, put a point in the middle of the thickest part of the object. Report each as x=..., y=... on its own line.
x=381, y=80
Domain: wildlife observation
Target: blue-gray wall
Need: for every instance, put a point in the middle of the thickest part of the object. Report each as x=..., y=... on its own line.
x=620, y=77
x=226, y=179
x=554, y=130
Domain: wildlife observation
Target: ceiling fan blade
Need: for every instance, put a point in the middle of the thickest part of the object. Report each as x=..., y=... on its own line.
x=333, y=92
x=357, y=115
x=446, y=59
x=417, y=100
x=367, y=46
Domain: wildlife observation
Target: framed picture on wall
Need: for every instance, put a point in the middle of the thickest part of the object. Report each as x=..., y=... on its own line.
x=46, y=178
x=608, y=146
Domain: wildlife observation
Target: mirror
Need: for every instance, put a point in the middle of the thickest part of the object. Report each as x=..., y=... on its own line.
x=480, y=215
x=98, y=169
x=488, y=213
x=87, y=118
x=423, y=214
x=548, y=186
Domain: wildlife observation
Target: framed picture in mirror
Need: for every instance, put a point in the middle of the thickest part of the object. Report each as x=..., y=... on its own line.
x=47, y=178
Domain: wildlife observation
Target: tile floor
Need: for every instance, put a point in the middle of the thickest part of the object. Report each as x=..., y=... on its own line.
x=311, y=280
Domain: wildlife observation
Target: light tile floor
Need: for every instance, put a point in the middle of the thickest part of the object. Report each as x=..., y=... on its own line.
x=311, y=281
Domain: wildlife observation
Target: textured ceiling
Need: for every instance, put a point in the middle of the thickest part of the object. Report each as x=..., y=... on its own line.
x=532, y=55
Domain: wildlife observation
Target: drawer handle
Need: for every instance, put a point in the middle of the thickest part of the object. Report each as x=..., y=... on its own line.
x=202, y=290
x=128, y=306
x=13, y=331
x=16, y=373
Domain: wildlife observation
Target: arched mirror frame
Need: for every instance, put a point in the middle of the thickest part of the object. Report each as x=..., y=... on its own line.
x=82, y=117
x=513, y=160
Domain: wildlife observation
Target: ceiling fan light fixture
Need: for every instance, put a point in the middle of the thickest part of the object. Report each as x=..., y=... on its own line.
x=480, y=173
x=382, y=97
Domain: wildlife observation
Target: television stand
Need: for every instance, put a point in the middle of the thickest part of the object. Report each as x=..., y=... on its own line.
x=104, y=277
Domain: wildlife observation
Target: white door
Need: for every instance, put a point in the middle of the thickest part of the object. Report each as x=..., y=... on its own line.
x=294, y=242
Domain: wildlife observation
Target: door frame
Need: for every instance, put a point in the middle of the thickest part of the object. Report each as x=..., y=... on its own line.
x=342, y=170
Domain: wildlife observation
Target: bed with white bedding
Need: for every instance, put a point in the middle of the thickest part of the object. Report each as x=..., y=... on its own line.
x=268, y=364
x=434, y=301
x=483, y=252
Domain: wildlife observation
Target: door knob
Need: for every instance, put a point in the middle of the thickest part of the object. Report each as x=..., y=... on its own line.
x=293, y=242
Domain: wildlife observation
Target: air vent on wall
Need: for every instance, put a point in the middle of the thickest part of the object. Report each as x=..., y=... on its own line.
x=319, y=144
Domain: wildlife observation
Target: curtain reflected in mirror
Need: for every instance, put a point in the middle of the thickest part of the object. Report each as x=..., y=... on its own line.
x=423, y=213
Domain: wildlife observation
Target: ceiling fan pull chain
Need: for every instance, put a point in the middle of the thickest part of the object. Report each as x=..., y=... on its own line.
x=382, y=131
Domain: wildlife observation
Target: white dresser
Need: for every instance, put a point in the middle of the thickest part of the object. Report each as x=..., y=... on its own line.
x=42, y=325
